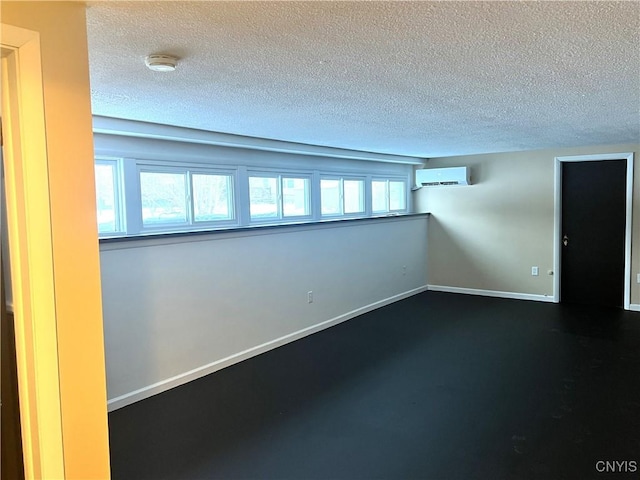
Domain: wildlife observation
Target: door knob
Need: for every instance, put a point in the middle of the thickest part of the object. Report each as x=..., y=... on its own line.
x=565, y=240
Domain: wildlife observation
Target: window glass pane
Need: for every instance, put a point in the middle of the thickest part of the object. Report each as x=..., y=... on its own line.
x=212, y=197
x=164, y=198
x=353, y=196
x=106, y=198
x=379, y=195
x=263, y=197
x=397, y=197
x=330, y=197
x=295, y=196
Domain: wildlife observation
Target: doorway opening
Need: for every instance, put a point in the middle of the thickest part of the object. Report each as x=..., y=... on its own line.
x=11, y=455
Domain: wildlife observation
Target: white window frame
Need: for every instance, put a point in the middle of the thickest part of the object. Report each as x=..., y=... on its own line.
x=341, y=179
x=119, y=199
x=172, y=157
x=388, y=180
x=279, y=175
x=308, y=176
x=200, y=170
x=134, y=213
x=169, y=226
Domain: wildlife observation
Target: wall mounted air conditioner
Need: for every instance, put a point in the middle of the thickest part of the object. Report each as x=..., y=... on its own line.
x=430, y=177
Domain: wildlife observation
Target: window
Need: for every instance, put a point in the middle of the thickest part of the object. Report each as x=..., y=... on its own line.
x=107, y=196
x=164, y=198
x=388, y=196
x=397, y=195
x=295, y=197
x=330, y=194
x=179, y=197
x=341, y=196
x=212, y=197
x=273, y=197
x=353, y=196
x=146, y=196
x=379, y=196
x=263, y=197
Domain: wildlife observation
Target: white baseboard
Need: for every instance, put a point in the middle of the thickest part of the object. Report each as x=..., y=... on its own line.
x=164, y=385
x=491, y=293
x=634, y=307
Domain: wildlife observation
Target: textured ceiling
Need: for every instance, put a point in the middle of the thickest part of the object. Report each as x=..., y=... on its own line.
x=411, y=78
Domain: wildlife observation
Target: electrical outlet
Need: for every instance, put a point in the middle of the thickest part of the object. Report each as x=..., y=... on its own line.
x=404, y=270
x=310, y=297
x=638, y=278
x=534, y=271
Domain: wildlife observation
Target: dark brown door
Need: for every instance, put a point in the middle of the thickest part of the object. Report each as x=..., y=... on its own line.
x=593, y=232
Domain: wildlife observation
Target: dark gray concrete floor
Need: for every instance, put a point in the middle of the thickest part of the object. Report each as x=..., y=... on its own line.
x=437, y=386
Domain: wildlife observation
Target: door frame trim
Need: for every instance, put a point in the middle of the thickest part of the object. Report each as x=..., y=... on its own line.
x=31, y=253
x=628, y=156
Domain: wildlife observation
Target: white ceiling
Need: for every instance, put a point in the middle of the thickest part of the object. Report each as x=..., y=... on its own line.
x=423, y=79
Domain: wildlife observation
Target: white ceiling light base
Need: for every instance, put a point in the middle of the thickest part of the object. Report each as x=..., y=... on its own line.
x=161, y=63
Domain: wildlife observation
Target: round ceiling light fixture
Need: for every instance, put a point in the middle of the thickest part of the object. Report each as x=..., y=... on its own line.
x=161, y=63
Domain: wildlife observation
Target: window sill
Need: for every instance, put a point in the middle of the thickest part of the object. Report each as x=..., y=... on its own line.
x=112, y=243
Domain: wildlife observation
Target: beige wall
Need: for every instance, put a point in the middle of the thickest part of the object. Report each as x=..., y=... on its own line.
x=488, y=236
x=76, y=269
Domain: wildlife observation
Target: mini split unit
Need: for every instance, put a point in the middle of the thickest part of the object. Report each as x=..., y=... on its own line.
x=432, y=177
